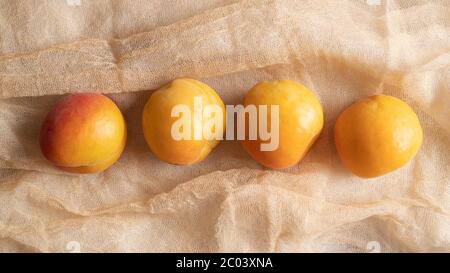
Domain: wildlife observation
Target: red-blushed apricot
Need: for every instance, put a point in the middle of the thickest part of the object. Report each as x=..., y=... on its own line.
x=83, y=133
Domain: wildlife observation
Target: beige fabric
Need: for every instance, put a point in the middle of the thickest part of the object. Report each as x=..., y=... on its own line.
x=343, y=50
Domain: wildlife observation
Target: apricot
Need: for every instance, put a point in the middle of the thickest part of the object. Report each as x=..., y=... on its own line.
x=174, y=122
x=83, y=133
x=377, y=135
x=300, y=122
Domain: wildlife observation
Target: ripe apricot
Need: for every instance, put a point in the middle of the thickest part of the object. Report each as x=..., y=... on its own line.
x=377, y=135
x=83, y=133
x=300, y=122
x=182, y=145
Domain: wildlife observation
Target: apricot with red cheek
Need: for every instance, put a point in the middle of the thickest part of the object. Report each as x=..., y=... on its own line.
x=83, y=133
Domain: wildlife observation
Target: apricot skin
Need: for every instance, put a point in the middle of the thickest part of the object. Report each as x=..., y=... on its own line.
x=157, y=121
x=300, y=122
x=377, y=135
x=83, y=133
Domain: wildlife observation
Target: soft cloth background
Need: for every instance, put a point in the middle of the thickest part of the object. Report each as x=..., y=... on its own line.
x=343, y=50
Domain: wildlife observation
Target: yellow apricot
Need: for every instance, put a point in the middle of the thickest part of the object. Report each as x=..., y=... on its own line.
x=377, y=135
x=159, y=121
x=300, y=122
